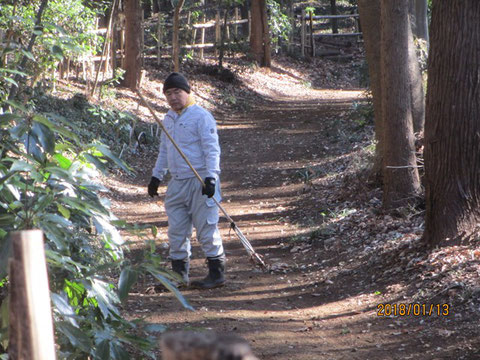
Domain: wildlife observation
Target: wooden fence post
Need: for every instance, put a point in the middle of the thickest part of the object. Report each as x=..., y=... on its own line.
x=31, y=329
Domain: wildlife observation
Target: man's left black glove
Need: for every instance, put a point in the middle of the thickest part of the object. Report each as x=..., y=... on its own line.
x=209, y=187
x=153, y=186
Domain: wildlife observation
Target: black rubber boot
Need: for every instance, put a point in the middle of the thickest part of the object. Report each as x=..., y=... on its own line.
x=216, y=274
x=181, y=267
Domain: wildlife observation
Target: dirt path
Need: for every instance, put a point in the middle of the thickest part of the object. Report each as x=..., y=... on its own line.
x=320, y=302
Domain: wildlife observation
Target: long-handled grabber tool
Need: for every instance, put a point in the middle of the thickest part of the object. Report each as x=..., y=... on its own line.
x=246, y=244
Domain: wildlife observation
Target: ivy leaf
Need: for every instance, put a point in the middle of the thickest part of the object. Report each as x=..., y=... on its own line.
x=128, y=277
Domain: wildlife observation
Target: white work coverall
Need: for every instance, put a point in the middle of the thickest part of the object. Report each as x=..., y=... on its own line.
x=195, y=132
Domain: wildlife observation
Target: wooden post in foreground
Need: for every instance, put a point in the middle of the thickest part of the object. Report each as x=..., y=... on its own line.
x=31, y=329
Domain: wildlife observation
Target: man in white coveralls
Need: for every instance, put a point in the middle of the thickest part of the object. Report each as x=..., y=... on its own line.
x=187, y=202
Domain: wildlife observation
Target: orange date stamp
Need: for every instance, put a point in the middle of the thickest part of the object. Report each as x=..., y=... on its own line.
x=415, y=309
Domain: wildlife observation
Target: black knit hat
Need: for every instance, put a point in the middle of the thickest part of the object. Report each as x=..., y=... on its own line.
x=176, y=80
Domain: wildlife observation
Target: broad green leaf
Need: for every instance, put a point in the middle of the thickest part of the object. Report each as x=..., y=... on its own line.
x=64, y=162
x=16, y=105
x=45, y=136
x=11, y=81
x=57, y=52
x=42, y=203
x=7, y=220
x=18, y=131
x=118, y=352
x=165, y=282
x=59, y=172
x=8, y=117
x=57, y=220
x=97, y=162
x=13, y=71
x=64, y=211
x=77, y=337
x=102, y=350
x=20, y=165
x=128, y=277
x=106, y=297
x=28, y=54
x=7, y=176
x=108, y=153
x=33, y=147
x=64, y=308
x=61, y=130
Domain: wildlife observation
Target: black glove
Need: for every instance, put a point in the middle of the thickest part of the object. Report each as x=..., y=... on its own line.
x=153, y=186
x=209, y=187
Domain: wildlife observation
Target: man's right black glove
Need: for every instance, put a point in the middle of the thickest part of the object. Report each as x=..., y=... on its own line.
x=153, y=186
x=209, y=187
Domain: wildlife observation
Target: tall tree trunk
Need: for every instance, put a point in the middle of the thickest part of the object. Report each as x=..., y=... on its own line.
x=267, y=50
x=256, y=34
x=419, y=12
x=452, y=124
x=333, y=8
x=369, y=11
x=133, y=41
x=244, y=7
x=401, y=180
x=175, y=41
x=416, y=85
x=260, y=33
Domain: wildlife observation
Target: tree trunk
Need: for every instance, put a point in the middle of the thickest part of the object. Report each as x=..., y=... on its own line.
x=369, y=11
x=176, y=30
x=419, y=12
x=333, y=8
x=267, y=51
x=401, y=180
x=416, y=85
x=256, y=35
x=452, y=124
x=244, y=7
x=133, y=40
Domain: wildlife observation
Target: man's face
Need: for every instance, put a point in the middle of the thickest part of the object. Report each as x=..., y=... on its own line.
x=176, y=98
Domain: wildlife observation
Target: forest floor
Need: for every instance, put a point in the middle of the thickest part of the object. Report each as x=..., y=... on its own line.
x=296, y=150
